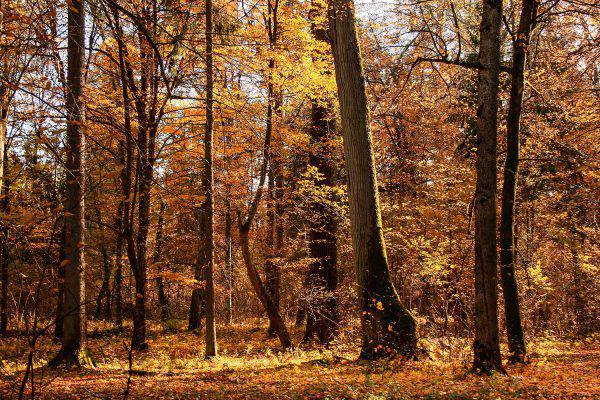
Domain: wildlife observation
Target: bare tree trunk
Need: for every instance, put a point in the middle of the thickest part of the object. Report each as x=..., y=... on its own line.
x=117, y=289
x=512, y=312
x=275, y=318
x=272, y=273
x=163, y=301
x=486, y=345
x=73, y=350
x=208, y=184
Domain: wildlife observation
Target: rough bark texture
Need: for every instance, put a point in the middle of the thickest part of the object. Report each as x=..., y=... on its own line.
x=387, y=327
x=73, y=350
x=321, y=282
x=514, y=327
x=486, y=345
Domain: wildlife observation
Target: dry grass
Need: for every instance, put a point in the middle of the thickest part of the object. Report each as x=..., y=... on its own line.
x=251, y=367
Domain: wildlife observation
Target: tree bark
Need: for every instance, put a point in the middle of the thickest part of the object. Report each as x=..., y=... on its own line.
x=512, y=312
x=486, y=345
x=208, y=250
x=321, y=281
x=73, y=350
x=387, y=326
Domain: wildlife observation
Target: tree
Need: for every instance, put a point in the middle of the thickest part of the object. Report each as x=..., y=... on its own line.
x=73, y=350
x=387, y=327
x=512, y=312
x=207, y=241
x=486, y=346
x=321, y=282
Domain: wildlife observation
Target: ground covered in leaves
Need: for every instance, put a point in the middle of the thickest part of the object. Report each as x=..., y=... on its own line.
x=251, y=367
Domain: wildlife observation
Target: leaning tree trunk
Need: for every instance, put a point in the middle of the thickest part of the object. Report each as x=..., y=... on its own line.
x=73, y=350
x=512, y=312
x=387, y=326
x=320, y=301
x=486, y=345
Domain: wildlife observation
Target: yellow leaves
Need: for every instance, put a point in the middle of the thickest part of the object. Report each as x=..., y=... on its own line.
x=379, y=306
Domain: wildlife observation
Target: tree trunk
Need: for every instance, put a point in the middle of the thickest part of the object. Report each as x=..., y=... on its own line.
x=486, y=345
x=60, y=292
x=272, y=273
x=514, y=328
x=275, y=318
x=208, y=247
x=163, y=301
x=387, y=327
x=73, y=350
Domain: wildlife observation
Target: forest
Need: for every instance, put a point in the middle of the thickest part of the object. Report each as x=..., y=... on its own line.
x=299, y=199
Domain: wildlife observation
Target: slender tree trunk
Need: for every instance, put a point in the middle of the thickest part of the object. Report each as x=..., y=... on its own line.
x=486, y=345
x=322, y=279
x=208, y=184
x=387, y=326
x=512, y=312
x=163, y=301
x=229, y=262
x=73, y=350
x=5, y=247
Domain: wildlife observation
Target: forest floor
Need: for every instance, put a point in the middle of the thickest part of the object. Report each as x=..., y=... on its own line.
x=251, y=367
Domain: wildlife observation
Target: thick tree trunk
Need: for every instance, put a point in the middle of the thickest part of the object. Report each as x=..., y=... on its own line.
x=163, y=301
x=387, y=327
x=514, y=327
x=486, y=345
x=73, y=350
x=321, y=281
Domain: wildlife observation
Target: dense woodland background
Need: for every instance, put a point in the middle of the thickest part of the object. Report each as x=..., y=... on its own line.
x=181, y=163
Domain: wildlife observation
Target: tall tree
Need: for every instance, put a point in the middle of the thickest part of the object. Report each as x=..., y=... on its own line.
x=387, y=326
x=321, y=281
x=486, y=346
x=73, y=350
x=512, y=312
x=207, y=213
